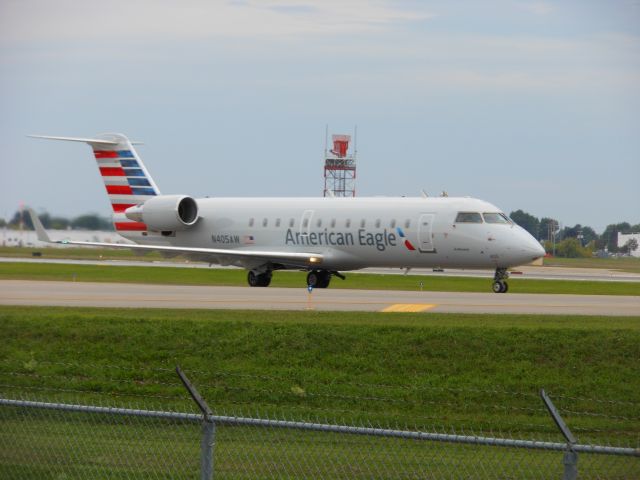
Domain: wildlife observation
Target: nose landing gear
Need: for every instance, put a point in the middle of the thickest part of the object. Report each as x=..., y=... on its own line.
x=500, y=284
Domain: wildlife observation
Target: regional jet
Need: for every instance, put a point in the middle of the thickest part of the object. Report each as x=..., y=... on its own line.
x=322, y=236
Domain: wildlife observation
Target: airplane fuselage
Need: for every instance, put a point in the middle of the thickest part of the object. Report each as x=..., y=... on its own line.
x=354, y=233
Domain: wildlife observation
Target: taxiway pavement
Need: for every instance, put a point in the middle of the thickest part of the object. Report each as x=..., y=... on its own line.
x=85, y=294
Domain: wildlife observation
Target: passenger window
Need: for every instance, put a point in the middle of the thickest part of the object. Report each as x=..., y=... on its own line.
x=378, y=223
x=319, y=223
x=469, y=217
x=362, y=223
x=251, y=222
x=407, y=223
x=264, y=222
x=347, y=224
x=333, y=223
x=305, y=223
x=277, y=222
x=291, y=222
x=393, y=223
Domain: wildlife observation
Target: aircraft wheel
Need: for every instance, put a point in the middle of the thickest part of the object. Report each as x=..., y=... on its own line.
x=505, y=288
x=313, y=278
x=498, y=286
x=324, y=279
x=319, y=278
x=258, y=279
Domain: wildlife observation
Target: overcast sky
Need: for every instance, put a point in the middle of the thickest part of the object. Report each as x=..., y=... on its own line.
x=526, y=104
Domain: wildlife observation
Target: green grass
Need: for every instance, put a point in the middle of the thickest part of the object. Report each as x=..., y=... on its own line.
x=232, y=277
x=471, y=372
x=623, y=264
x=325, y=360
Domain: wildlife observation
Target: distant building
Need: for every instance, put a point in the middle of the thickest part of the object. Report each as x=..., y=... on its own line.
x=625, y=237
x=28, y=238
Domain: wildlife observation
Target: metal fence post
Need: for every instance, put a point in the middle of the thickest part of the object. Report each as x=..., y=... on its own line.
x=206, y=449
x=208, y=428
x=570, y=461
x=570, y=458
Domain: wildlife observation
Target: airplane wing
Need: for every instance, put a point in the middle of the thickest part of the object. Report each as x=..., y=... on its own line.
x=219, y=255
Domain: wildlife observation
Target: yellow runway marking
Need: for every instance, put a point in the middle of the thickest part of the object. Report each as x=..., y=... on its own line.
x=408, y=307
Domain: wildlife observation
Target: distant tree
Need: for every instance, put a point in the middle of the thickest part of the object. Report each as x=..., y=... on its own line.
x=59, y=223
x=548, y=227
x=91, y=221
x=3, y=223
x=571, y=248
x=609, y=238
x=21, y=218
x=527, y=221
x=588, y=233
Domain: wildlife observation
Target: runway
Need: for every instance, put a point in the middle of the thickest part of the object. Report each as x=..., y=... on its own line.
x=84, y=294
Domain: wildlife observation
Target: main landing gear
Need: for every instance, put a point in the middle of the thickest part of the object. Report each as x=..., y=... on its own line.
x=256, y=279
x=321, y=278
x=500, y=284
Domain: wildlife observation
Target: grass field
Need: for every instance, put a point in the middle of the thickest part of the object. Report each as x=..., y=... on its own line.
x=233, y=277
x=380, y=366
x=463, y=373
x=623, y=264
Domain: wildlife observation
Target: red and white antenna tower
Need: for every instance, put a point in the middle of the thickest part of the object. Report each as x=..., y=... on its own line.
x=340, y=167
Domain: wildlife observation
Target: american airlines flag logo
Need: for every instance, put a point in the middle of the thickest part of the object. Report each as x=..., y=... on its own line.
x=127, y=185
x=248, y=240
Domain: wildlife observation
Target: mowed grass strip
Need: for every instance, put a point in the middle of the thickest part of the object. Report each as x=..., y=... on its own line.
x=233, y=277
x=416, y=369
x=470, y=374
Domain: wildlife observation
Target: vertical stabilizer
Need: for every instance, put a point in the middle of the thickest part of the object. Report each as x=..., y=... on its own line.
x=125, y=177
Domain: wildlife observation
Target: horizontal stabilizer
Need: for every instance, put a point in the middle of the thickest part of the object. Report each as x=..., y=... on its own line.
x=90, y=141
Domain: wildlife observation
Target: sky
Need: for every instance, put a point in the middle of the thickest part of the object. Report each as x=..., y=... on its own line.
x=531, y=105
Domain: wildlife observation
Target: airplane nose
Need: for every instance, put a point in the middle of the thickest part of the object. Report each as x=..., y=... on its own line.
x=534, y=248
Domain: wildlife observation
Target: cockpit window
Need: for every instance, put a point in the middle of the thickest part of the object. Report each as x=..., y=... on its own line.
x=495, y=218
x=469, y=217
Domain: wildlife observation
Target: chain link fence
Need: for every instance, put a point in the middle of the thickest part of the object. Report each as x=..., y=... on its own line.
x=58, y=422
x=68, y=440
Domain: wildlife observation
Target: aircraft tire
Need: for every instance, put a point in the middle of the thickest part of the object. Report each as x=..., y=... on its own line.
x=313, y=278
x=258, y=279
x=324, y=280
x=498, y=286
x=318, y=278
x=505, y=288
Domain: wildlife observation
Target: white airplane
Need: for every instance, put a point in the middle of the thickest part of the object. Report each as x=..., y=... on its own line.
x=323, y=236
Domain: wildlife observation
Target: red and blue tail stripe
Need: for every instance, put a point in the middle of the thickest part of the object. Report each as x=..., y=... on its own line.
x=127, y=182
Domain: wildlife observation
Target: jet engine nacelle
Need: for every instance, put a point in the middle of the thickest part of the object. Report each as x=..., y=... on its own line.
x=165, y=212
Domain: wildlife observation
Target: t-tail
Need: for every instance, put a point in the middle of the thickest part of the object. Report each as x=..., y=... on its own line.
x=125, y=177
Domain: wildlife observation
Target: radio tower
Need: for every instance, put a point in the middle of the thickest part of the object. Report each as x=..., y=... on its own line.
x=340, y=168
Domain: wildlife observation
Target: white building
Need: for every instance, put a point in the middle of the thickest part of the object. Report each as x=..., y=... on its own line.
x=625, y=237
x=28, y=238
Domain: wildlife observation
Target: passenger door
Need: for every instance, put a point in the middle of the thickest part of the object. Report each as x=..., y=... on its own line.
x=425, y=233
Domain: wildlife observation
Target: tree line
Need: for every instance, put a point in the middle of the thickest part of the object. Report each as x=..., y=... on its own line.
x=88, y=221
x=577, y=241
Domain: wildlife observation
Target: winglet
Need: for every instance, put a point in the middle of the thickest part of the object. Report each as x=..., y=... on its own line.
x=43, y=236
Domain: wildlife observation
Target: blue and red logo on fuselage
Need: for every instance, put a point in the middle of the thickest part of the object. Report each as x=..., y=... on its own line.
x=407, y=243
